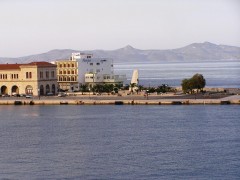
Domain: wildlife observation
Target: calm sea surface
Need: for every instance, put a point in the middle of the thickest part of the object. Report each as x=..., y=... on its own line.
x=120, y=142
x=216, y=73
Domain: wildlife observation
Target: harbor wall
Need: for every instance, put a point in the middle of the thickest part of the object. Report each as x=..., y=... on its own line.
x=121, y=102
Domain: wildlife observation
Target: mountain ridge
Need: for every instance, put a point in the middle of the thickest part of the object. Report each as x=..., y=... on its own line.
x=192, y=52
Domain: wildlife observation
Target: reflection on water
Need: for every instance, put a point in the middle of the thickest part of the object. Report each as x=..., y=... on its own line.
x=217, y=74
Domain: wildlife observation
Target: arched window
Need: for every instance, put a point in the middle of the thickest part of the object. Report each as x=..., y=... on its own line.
x=4, y=90
x=41, y=90
x=15, y=89
x=53, y=88
x=47, y=89
x=29, y=89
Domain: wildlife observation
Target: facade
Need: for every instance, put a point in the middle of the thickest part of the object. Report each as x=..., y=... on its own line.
x=86, y=70
x=36, y=78
x=67, y=74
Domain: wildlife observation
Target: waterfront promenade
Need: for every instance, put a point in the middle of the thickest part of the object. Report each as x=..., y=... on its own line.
x=124, y=99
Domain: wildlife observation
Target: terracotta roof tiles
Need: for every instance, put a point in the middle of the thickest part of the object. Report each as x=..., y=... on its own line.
x=17, y=66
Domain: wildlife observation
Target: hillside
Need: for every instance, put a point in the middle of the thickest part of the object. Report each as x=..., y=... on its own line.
x=192, y=52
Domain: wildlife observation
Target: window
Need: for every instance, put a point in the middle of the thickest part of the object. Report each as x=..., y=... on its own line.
x=91, y=64
x=72, y=65
x=52, y=74
x=98, y=64
x=28, y=75
x=41, y=75
x=47, y=74
x=14, y=76
x=60, y=65
x=72, y=72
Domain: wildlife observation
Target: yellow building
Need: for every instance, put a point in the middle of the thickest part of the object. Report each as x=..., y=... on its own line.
x=36, y=78
x=67, y=74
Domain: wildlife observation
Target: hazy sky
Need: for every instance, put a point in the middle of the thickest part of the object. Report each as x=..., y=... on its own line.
x=36, y=26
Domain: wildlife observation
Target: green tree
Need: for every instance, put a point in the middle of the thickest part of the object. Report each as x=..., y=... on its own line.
x=84, y=88
x=196, y=82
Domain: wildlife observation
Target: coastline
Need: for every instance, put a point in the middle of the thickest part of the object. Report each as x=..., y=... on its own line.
x=131, y=100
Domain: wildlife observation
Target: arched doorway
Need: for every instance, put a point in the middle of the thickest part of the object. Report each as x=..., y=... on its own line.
x=41, y=90
x=47, y=89
x=53, y=88
x=15, y=90
x=29, y=89
x=4, y=90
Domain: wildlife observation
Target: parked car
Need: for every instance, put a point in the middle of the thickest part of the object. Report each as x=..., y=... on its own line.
x=50, y=94
x=29, y=96
x=15, y=95
x=62, y=94
x=5, y=95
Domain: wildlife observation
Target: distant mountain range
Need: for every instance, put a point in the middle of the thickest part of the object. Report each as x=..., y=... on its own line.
x=193, y=52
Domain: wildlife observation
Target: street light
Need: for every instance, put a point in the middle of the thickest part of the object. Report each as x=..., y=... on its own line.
x=39, y=93
x=89, y=91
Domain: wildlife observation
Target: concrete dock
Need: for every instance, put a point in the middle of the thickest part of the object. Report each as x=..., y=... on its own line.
x=130, y=100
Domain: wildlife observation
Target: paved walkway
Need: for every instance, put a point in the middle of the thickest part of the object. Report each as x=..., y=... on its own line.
x=230, y=98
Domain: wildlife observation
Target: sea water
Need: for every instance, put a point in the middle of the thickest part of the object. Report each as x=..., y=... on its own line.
x=217, y=73
x=120, y=142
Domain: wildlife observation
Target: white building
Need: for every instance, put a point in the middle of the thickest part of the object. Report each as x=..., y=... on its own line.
x=96, y=70
x=89, y=71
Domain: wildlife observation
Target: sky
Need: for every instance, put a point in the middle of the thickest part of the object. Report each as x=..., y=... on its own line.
x=36, y=26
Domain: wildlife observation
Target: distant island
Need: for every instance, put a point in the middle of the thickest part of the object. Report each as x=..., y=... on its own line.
x=193, y=52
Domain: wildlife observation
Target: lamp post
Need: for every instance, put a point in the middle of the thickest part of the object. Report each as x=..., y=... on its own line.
x=38, y=93
x=89, y=91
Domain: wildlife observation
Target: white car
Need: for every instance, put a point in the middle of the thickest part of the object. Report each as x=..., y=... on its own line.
x=62, y=94
x=29, y=96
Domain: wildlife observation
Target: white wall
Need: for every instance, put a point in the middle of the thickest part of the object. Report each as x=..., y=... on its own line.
x=98, y=66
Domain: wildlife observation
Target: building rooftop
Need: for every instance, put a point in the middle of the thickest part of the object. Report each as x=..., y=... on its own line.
x=17, y=66
x=41, y=63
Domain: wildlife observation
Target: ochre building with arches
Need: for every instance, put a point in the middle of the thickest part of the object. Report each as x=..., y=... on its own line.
x=35, y=78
